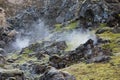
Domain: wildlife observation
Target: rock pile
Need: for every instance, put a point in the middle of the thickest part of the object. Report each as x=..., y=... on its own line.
x=53, y=74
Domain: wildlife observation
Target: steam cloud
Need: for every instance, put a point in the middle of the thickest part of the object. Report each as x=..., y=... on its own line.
x=41, y=32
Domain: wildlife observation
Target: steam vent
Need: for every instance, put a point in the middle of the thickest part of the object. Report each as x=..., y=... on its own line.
x=59, y=39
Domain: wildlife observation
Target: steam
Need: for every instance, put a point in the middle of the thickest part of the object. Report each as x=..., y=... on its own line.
x=21, y=43
x=39, y=32
x=77, y=37
x=34, y=33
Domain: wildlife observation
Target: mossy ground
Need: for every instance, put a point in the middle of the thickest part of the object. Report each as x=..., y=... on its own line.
x=114, y=41
x=70, y=26
x=96, y=71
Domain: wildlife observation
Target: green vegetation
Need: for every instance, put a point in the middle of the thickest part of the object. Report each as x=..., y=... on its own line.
x=96, y=71
x=114, y=38
x=27, y=51
x=70, y=26
x=58, y=27
x=103, y=25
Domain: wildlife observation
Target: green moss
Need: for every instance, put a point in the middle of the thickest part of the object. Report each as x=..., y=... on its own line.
x=58, y=27
x=103, y=25
x=96, y=71
x=114, y=45
x=2, y=65
x=27, y=51
x=119, y=15
x=71, y=26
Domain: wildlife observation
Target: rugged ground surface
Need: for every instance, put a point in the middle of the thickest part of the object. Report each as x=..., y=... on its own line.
x=48, y=55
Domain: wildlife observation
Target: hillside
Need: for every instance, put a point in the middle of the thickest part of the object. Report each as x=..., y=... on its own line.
x=59, y=39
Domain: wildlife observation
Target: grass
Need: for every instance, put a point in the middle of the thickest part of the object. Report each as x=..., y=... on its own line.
x=70, y=26
x=58, y=27
x=114, y=38
x=96, y=71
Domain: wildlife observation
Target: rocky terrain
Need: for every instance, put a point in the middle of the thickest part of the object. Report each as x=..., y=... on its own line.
x=59, y=39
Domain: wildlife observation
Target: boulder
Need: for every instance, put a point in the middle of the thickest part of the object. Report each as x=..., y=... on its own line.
x=57, y=62
x=11, y=74
x=99, y=59
x=2, y=60
x=41, y=55
x=54, y=74
x=2, y=44
x=3, y=23
x=2, y=52
x=112, y=1
x=114, y=19
x=38, y=68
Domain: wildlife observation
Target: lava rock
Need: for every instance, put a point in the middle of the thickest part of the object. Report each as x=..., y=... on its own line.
x=2, y=52
x=2, y=60
x=54, y=74
x=100, y=59
x=2, y=44
x=39, y=68
x=7, y=74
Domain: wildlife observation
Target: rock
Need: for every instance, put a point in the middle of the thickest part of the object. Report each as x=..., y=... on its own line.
x=87, y=51
x=114, y=19
x=57, y=62
x=2, y=60
x=47, y=47
x=2, y=44
x=60, y=45
x=100, y=59
x=102, y=41
x=116, y=30
x=40, y=55
x=112, y=1
x=12, y=33
x=11, y=74
x=38, y=68
x=53, y=74
x=3, y=23
x=11, y=60
x=2, y=52
x=102, y=30
x=118, y=41
x=92, y=12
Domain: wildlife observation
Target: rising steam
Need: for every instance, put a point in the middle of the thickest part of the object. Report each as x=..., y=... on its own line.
x=39, y=31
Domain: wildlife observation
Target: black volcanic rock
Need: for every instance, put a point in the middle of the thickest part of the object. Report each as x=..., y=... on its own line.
x=53, y=74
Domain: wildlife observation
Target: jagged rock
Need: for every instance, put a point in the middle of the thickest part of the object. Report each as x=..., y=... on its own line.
x=40, y=55
x=3, y=23
x=112, y=1
x=47, y=47
x=2, y=60
x=2, y=44
x=2, y=52
x=116, y=30
x=93, y=11
x=57, y=62
x=53, y=74
x=102, y=41
x=114, y=19
x=99, y=59
x=102, y=30
x=60, y=45
x=38, y=68
x=9, y=74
